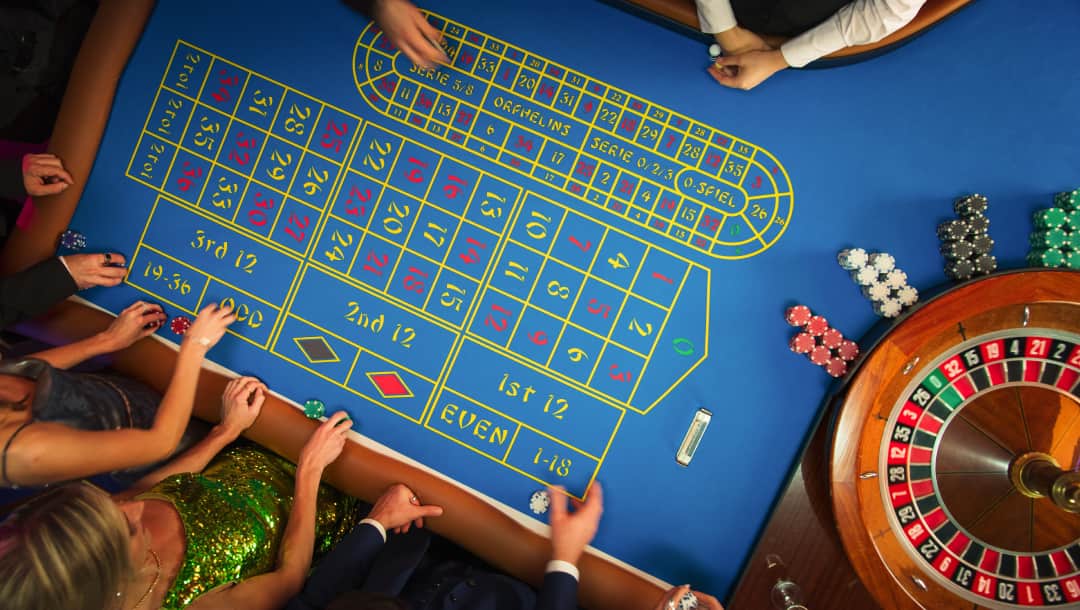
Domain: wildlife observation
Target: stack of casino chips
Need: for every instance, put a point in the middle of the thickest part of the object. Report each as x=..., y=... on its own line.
x=965, y=240
x=881, y=280
x=823, y=345
x=1056, y=239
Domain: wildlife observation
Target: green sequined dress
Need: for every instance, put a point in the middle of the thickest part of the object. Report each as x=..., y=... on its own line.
x=234, y=515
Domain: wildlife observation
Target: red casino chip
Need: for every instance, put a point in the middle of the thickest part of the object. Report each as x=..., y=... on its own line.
x=817, y=326
x=802, y=343
x=848, y=350
x=180, y=324
x=836, y=367
x=832, y=338
x=820, y=355
x=798, y=315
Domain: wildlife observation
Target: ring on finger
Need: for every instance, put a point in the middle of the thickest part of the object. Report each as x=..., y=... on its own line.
x=414, y=500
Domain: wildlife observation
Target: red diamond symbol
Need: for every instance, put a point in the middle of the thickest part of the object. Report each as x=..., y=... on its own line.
x=390, y=385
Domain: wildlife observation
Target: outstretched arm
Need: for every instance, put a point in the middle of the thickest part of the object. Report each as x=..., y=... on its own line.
x=136, y=321
x=240, y=406
x=571, y=532
x=860, y=22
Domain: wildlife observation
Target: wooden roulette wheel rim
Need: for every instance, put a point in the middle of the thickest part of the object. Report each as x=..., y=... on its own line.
x=903, y=474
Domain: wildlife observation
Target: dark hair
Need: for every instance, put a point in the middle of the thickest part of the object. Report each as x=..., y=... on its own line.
x=361, y=600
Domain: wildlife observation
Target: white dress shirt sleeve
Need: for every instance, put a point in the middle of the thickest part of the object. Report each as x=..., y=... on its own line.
x=557, y=565
x=715, y=15
x=860, y=22
x=378, y=527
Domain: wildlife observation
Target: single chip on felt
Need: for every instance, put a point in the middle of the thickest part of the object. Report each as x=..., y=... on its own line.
x=688, y=601
x=848, y=350
x=314, y=408
x=180, y=324
x=798, y=315
x=802, y=343
x=820, y=355
x=817, y=325
x=882, y=262
x=852, y=258
x=715, y=51
x=832, y=338
x=73, y=240
x=539, y=502
x=836, y=367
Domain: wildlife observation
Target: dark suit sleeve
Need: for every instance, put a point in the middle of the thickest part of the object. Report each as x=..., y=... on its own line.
x=33, y=291
x=337, y=572
x=11, y=183
x=559, y=592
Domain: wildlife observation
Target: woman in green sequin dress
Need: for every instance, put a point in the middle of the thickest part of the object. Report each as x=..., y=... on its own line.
x=235, y=530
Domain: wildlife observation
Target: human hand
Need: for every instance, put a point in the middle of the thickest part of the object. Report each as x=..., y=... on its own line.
x=670, y=600
x=398, y=509
x=89, y=270
x=44, y=175
x=739, y=40
x=572, y=532
x=409, y=30
x=241, y=403
x=208, y=327
x=325, y=444
x=747, y=70
x=138, y=320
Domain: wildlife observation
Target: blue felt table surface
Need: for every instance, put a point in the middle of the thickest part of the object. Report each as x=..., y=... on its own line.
x=985, y=102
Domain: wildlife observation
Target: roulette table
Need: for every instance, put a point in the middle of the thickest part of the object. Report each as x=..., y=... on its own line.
x=556, y=259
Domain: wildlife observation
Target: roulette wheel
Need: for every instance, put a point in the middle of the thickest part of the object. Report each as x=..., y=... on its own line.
x=954, y=471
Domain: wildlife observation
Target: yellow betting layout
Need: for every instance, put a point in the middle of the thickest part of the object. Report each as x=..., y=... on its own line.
x=487, y=312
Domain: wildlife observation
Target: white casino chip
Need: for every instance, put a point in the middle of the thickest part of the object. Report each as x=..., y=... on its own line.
x=883, y=262
x=688, y=601
x=878, y=291
x=896, y=279
x=852, y=258
x=908, y=296
x=539, y=502
x=865, y=276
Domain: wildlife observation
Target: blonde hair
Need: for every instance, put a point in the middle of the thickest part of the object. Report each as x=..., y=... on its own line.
x=66, y=548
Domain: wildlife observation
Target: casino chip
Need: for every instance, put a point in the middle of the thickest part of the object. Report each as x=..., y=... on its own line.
x=798, y=315
x=987, y=263
x=820, y=355
x=960, y=270
x=715, y=51
x=977, y=225
x=970, y=205
x=882, y=262
x=688, y=601
x=877, y=291
x=180, y=324
x=539, y=502
x=952, y=230
x=864, y=276
x=314, y=408
x=889, y=308
x=832, y=338
x=907, y=295
x=73, y=240
x=955, y=250
x=817, y=326
x=836, y=367
x=896, y=279
x=982, y=245
x=802, y=343
x=848, y=350
x=852, y=258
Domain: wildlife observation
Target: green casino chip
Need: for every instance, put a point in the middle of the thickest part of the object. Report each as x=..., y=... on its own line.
x=314, y=408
